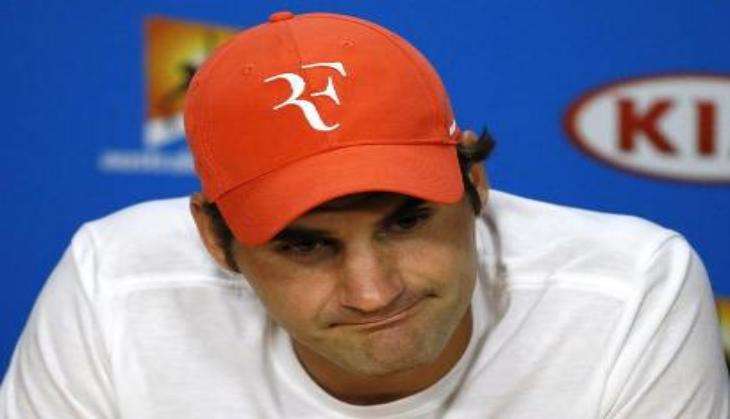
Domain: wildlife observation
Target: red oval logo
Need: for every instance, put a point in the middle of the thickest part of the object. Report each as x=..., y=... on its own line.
x=674, y=126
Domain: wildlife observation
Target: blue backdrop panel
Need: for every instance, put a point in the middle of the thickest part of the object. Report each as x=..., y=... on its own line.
x=74, y=88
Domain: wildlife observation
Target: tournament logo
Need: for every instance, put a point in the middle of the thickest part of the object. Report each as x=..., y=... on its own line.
x=668, y=126
x=173, y=52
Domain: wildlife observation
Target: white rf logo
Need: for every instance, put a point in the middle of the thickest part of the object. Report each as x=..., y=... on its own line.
x=298, y=85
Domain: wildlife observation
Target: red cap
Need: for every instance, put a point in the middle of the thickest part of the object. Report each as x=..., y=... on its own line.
x=304, y=109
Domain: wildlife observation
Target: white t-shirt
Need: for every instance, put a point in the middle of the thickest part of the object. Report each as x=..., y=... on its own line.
x=577, y=314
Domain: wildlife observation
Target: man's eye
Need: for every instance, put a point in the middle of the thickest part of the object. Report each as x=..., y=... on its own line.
x=302, y=247
x=410, y=221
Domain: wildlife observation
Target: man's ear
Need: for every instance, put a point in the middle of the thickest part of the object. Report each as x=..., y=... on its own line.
x=477, y=173
x=479, y=179
x=206, y=230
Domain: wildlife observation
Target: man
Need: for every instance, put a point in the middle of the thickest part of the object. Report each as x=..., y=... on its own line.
x=347, y=259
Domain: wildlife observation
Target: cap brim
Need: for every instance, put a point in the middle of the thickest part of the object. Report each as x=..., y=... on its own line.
x=259, y=209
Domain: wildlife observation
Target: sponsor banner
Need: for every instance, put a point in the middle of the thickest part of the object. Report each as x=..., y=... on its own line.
x=173, y=52
x=667, y=126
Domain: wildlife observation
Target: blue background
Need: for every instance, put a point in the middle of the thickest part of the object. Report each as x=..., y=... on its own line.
x=73, y=86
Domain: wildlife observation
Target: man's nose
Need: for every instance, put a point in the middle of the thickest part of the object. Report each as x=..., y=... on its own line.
x=370, y=279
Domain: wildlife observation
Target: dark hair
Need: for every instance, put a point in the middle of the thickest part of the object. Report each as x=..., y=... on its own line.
x=468, y=155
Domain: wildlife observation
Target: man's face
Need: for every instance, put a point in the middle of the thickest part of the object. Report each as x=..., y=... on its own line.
x=375, y=284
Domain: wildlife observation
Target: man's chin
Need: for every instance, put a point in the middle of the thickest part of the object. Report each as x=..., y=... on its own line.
x=381, y=354
x=382, y=367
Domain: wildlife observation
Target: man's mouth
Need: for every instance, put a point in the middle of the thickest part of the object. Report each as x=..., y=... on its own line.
x=387, y=320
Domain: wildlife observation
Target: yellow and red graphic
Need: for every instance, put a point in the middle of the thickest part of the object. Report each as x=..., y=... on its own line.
x=174, y=51
x=723, y=311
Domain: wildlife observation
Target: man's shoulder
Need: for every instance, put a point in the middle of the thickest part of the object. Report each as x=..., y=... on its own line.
x=149, y=240
x=549, y=242
x=548, y=218
x=144, y=215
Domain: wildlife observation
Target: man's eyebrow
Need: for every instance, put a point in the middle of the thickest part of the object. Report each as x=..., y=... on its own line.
x=409, y=204
x=298, y=233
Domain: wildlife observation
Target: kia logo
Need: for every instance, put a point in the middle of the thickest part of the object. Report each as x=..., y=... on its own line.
x=668, y=126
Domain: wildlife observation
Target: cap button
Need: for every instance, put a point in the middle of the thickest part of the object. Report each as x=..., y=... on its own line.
x=279, y=16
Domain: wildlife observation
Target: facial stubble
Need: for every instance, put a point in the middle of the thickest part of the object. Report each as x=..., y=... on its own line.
x=414, y=341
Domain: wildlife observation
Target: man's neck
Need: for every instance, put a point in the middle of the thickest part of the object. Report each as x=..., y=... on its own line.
x=367, y=390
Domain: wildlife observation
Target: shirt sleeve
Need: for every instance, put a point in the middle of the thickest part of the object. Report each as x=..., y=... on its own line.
x=60, y=366
x=670, y=364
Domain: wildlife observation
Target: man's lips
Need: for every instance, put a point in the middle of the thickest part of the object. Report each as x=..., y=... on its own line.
x=385, y=319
